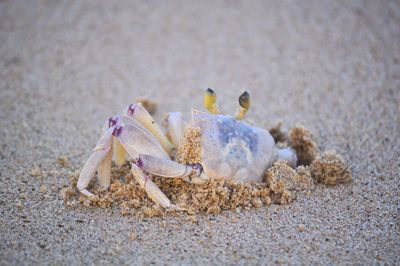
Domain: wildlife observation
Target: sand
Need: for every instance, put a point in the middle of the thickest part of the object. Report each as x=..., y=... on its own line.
x=331, y=66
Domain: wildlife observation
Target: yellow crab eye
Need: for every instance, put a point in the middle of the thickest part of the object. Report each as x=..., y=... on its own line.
x=244, y=105
x=210, y=101
x=244, y=100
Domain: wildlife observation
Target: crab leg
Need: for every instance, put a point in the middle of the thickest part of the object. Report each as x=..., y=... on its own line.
x=101, y=152
x=151, y=189
x=175, y=129
x=117, y=150
x=140, y=114
x=167, y=168
x=103, y=170
x=119, y=153
x=161, y=167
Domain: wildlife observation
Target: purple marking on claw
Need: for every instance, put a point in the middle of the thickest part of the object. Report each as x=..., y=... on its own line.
x=131, y=109
x=138, y=162
x=117, y=131
x=112, y=121
x=197, y=166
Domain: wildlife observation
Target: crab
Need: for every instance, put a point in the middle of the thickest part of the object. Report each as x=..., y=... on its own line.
x=228, y=148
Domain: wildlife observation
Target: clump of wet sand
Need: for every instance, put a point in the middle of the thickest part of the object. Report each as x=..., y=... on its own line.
x=282, y=183
x=190, y=150
x=300, y=139
x=330, y=168
x=285, y=182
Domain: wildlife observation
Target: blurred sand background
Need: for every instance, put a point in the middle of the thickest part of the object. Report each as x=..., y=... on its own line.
x=66, y=66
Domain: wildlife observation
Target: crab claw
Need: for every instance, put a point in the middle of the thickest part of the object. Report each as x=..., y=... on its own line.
x=125, y=136
x=138, y=113
x=166, y=168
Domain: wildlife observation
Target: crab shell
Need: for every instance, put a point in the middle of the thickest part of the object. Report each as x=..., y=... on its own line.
x=233, y=149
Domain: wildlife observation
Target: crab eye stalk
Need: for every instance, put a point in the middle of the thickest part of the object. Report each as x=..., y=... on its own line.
x=244, y=105
x=210, y=101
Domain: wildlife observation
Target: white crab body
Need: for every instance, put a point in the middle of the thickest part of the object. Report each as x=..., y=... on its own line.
x=233, y=149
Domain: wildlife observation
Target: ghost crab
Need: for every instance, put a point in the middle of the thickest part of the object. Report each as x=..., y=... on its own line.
x=229, y=148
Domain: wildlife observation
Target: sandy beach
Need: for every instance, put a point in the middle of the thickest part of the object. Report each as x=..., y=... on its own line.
x=66, y=66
